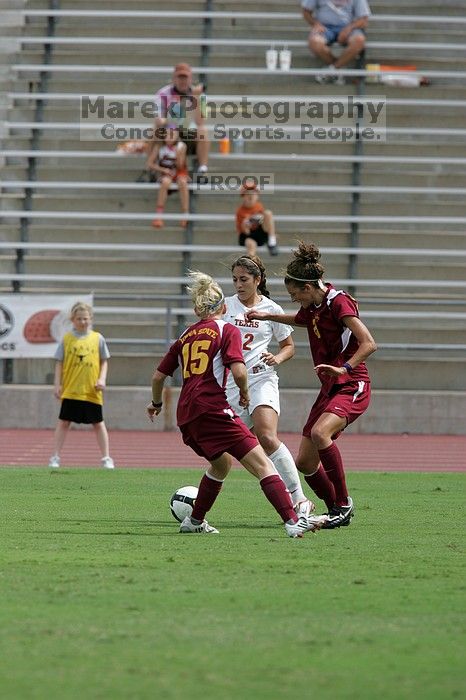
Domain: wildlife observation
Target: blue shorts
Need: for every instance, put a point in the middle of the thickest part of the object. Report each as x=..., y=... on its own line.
x=332, y=31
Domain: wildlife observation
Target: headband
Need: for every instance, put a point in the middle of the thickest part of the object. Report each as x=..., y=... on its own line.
x=214, y=307
x=244, y=257
x=299, y=279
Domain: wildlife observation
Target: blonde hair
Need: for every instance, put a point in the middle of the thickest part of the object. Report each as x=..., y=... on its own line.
x=80, y=306
x=206, y=294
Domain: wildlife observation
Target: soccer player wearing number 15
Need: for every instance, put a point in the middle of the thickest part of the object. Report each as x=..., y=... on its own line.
x=207, y=351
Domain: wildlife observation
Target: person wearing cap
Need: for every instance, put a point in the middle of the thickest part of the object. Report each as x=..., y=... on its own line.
x=255, y=224
x=168, y=161
x=180, y=102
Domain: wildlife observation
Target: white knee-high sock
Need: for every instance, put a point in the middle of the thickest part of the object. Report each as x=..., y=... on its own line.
x=285, y=466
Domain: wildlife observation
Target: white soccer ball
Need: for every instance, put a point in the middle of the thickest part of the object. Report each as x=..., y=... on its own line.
x=182, y=502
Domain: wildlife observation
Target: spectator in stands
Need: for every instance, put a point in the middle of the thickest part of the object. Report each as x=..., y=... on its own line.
x=340, y=343
x=254, y=224
x=207, y=351
x=181, y=102
x=342, y=21
x=168, y=161
x=250, y=282
x=80, y=378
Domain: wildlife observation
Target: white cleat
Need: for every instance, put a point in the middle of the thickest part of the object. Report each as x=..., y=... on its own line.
x=188, y=526
x=107, y=463
x=54, y=462
x=304, y=508
x=311, y=523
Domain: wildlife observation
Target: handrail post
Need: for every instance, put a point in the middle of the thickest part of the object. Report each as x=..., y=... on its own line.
x=189, y=231
x=356, y=177
x=31, y=175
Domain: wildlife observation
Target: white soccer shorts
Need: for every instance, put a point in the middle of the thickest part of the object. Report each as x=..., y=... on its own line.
x=263, y=391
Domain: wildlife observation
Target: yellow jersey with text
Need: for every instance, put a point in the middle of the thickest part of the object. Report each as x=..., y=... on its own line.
x=81, y=367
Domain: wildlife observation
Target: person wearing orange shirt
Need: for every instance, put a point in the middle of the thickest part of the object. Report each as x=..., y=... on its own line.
x=255, y=224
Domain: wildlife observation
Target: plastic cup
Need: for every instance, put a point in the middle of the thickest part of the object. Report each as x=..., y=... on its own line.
x=285, y=59
x=271, y=59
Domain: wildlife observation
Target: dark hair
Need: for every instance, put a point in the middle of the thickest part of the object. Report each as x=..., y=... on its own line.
x=255, y=267
x=305, y=268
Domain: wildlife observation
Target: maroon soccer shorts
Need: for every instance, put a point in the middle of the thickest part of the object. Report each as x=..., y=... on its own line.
x=212, y=434
x=349, y=401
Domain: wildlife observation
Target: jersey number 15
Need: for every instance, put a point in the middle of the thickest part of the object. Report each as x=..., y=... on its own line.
x=195, y=357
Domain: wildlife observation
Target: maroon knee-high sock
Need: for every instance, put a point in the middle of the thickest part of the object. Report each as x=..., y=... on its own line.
x=208, y=491
x=275, y=491
x=322, y=486
x=333, y=465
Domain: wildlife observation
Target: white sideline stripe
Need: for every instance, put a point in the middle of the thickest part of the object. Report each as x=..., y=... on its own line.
x=142, y=279
x=218, y=70
x=427, y=160
x=150, y=186
x=180, y=248
x=227, y=15
x=285, y=218
x=293, y=128
x=196, y=41
x=218, y=99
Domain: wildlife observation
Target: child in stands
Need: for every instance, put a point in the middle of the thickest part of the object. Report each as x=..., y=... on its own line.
x=255, y=225
x=168, y=161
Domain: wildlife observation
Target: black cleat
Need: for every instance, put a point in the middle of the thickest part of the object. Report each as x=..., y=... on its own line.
x=273, y=249
x=339, y=516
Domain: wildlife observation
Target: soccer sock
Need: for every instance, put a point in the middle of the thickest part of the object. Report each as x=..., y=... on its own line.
x=209, y=488
x=275, y=491
x=272, y=240
x=285, y=466
x=333, y=465
x=322, y=486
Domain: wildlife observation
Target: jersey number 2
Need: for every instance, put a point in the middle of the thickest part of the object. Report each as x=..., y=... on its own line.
x=247, y=340
x=195, y=357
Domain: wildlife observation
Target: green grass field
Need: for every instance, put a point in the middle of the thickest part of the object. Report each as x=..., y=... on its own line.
x=102, y=598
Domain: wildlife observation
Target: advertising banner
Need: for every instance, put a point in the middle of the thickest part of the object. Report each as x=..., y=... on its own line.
x=31, y=325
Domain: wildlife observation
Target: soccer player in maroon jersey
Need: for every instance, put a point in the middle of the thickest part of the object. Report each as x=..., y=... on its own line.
x=340, y=343
x=207, y=351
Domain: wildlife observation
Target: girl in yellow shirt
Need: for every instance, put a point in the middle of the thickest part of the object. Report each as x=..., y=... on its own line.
x=80, y=376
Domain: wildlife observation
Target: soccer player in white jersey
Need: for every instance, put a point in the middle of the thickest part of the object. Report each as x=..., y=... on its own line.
x=249, y=279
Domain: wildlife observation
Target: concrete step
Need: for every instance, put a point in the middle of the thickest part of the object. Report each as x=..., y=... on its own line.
x=75, y=264
x=388, y=372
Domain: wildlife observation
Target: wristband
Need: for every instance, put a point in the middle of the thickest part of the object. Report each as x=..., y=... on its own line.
x=156, y=405
x=348, y=367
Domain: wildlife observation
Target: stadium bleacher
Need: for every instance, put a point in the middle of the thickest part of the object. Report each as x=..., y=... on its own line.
x=390, y=218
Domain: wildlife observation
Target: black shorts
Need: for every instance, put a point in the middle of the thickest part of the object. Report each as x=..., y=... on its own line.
x=189, y=137
x=80, y=411
x=258, y=235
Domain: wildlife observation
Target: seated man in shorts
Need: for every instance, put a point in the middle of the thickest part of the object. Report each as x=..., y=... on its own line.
x=180, y=103
x=342, y=21
x=255, y=224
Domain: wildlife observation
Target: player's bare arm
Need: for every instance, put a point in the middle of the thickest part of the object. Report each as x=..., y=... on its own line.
x=158, y=381
x=240, y=375
x=285, y=353
x=253, y=315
